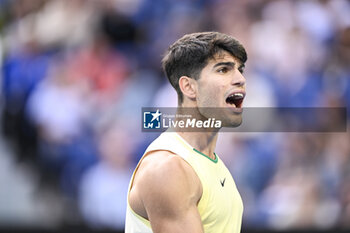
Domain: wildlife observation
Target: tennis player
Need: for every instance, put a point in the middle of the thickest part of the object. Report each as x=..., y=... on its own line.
x=180, y=184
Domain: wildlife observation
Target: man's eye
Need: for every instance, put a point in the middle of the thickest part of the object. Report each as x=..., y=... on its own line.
x=241, y=70
x=223, y=70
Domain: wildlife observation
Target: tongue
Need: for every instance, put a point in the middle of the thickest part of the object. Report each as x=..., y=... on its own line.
x=231, y=103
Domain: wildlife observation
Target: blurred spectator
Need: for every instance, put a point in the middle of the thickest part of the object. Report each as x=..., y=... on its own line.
x=103, y=188
x=21, y=71
x=60, y=111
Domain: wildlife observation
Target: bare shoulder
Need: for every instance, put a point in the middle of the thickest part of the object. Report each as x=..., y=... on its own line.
x=163, y=182
x=162, y=168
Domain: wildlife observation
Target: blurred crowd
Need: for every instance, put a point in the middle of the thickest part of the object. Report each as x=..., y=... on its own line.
x=75, y=74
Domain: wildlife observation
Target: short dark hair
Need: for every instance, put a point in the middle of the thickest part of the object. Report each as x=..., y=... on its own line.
x=191, y=53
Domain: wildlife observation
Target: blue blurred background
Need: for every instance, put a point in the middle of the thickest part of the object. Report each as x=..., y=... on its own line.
x=75, y=74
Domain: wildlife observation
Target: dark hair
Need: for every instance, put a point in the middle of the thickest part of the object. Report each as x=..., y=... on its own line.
x=191, y=53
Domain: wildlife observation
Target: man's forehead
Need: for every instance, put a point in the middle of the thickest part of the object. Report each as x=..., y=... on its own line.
x=224, y=56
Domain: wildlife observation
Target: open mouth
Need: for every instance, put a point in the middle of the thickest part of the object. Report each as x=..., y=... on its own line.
x=235, y=99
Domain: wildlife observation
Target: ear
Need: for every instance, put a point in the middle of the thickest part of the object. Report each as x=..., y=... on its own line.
x=187, y=86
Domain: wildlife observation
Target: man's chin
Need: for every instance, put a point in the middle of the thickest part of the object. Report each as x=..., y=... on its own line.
x=233, y=122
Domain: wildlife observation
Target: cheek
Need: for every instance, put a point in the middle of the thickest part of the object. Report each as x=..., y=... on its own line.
x=209, y=96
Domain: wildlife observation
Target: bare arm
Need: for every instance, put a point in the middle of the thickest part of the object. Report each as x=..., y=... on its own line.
x=170, y=192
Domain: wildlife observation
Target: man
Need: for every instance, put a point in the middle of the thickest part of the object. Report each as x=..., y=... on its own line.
x=180, y=184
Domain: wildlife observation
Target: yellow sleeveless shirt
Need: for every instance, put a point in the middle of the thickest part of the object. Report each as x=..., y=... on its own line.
x=220, y=206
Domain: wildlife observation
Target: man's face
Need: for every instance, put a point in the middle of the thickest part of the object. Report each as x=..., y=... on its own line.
x=221, y=89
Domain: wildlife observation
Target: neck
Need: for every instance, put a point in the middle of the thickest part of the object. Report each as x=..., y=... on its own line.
x=203, y=141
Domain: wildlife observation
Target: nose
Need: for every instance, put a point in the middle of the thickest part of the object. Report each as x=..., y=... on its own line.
x=238, y=79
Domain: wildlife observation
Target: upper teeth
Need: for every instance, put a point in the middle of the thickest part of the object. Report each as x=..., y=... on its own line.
x=237, y=95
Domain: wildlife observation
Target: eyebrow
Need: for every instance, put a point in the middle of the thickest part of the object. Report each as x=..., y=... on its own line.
x=232, y=64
